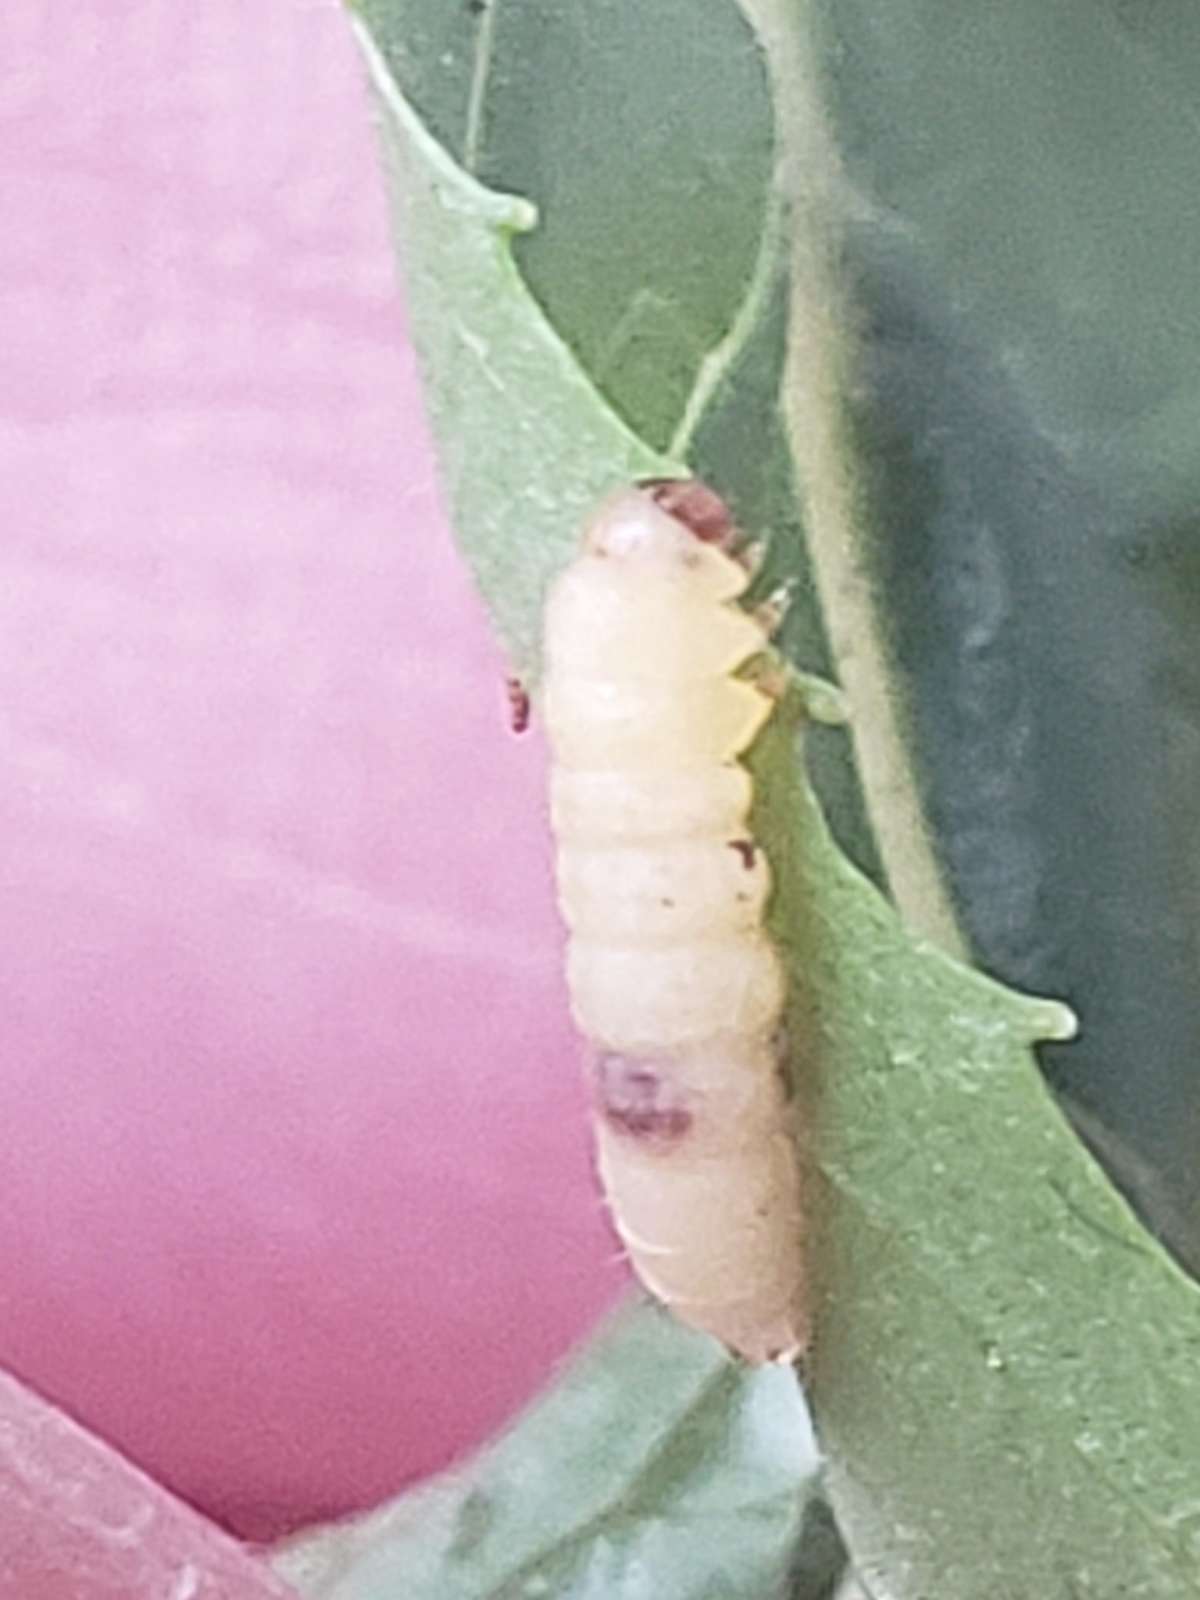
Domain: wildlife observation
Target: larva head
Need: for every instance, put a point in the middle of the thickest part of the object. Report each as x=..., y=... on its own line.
x=670, y=525
x=701, y=510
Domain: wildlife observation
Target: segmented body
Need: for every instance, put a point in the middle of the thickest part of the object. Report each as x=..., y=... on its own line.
x=673, y=979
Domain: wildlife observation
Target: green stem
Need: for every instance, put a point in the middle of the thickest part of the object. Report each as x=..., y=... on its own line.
x=816, y=379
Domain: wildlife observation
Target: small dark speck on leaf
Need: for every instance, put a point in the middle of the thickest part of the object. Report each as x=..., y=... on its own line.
x=475, y=1521
x=994, y=1360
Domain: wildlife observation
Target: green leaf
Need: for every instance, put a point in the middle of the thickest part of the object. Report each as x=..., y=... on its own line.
x=520, y=433
x=1006, y=1374
x=655, y=1467
x=548, y=100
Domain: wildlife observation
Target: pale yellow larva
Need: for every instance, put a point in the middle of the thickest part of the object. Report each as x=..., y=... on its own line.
x=673, y=979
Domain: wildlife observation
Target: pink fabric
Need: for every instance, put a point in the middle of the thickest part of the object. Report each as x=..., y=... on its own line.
x=295, y=1195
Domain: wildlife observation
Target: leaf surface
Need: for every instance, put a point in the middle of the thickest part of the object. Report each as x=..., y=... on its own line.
x=654, y=1467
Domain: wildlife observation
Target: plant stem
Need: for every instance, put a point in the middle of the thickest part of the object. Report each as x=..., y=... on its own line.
x=817, y=374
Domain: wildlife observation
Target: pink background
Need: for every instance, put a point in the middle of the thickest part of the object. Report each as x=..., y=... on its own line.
x=295, y=1195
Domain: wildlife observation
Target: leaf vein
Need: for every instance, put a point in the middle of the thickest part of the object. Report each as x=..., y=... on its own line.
x=485, y=45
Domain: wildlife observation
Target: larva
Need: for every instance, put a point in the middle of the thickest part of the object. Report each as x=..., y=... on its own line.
x=672, y=977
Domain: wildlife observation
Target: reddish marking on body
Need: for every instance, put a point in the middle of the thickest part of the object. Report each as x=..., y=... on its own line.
x=518, y=704
x=699, y=508
x=636, y=1098
x=747, y=850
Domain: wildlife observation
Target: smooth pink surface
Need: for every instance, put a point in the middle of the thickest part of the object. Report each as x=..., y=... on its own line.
x=295, y=1200
x=79, y=1523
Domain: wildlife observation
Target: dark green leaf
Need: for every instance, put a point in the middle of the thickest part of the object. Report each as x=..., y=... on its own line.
x=641, y=278
x=1022, y=238
x=521, y=437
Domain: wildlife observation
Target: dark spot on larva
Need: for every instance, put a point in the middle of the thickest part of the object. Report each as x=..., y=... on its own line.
x=477, y=7
x=636, y=1098
x=747, y=849
x=668, y=903
x=699, y=508
x=518, y=704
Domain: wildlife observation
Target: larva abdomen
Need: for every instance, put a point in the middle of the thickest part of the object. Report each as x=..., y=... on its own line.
x=722, y=1110
x=640, y=807
x=644, y=726
x=719, y=1202
x=672, y=976
x=638, y=998
x=604, y=614
x=676, y=889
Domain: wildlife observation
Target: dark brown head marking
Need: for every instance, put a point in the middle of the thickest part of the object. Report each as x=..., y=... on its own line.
x=518, y=704
x=635, y=1097
x=747, y=849
x=699, y=508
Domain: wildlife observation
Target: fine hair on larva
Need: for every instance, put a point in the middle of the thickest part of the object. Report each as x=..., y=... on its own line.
x=673, y=979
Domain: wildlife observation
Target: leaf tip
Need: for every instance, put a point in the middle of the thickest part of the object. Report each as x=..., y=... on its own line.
x=824, y=701
x=457, y=189
x=1053, y=1021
